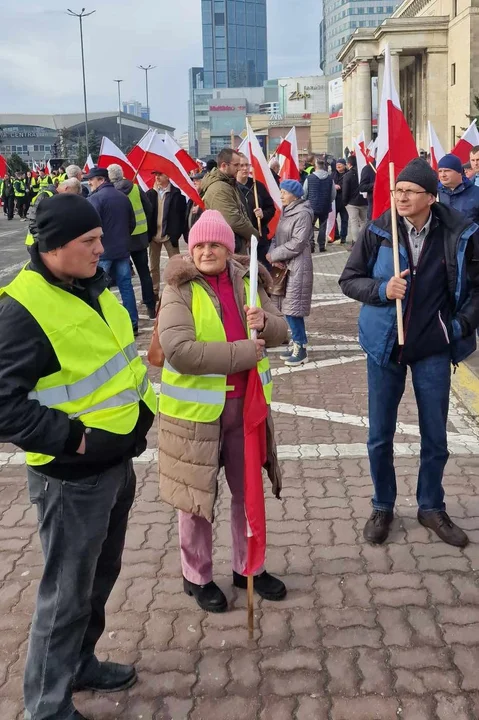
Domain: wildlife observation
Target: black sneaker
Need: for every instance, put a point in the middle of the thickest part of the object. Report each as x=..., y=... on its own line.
x=209, y=597
x=151, y=312
x=267, y=586
x=376, y=529
x=445, y=529
x=105, y=677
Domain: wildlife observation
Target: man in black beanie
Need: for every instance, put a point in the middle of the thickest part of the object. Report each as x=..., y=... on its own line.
x=439, y=287
x=75, y=396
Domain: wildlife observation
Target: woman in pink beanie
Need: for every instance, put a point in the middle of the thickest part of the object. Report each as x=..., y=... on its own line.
x=204, y=326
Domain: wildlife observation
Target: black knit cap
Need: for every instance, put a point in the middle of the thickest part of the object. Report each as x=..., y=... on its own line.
x=62, y=218
x=420, y=172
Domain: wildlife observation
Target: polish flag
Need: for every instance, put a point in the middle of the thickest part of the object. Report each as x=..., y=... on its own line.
x=395, y=141
x=48, y=168
x=35, y=170
x=89, y=165
x=359, y=145
x=331, y=223
x=288, y=148
x=153, y=154
x=435, y=147
x=262, y=173
x=469, y=140
x=371, y=151
x=185, y=160
x=111, y=154
x=3, y=166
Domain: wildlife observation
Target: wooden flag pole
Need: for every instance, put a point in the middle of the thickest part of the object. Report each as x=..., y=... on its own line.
x=397, y=267
x=256, y=200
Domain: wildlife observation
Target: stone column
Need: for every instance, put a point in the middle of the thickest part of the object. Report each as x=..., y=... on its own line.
x=435, y=96
x=363, y=100
x=352, y=91
x=395, y=71
x=346, y=110
x=380, y=80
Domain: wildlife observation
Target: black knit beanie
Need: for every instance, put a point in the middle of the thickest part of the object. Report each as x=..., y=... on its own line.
x=62, y=218
x=420, y=172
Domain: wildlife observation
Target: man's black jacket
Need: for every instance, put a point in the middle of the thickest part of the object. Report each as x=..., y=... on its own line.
x=174, y=210
x=26, y=355
x=265, y=202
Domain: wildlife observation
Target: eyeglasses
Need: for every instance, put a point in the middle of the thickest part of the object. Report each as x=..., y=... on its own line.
x=398, y=194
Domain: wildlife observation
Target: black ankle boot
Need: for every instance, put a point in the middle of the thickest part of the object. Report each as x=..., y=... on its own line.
x=267, y=586
x=209, y=597
x=105, y=677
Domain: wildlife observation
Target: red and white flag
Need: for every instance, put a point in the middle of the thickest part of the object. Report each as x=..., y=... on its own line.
x=152, y=154
x=288, y=150
x=48, y=168
x=371, y=151
x=395, y=141
x=359, y=146
x=185, y=160
x=331, y=224
x=262, y=173
x=89, y=165
x=435, y=147
x=469, y=140
x=111, y=154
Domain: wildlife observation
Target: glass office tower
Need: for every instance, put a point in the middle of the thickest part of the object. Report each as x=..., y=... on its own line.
x=234, y=43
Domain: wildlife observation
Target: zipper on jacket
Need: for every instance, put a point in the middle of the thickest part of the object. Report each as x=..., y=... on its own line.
x=444, y=328
x=407, y=317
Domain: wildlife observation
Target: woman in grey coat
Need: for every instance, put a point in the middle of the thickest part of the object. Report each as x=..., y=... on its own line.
x=291, y=248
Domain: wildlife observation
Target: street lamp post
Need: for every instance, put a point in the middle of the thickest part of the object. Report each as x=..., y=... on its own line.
x=80, y=16
x=119, y=112
x=150, y=67
x=283, y=109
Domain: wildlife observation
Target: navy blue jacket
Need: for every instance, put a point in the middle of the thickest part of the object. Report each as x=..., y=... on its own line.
x=370, y=267
x=319, y=194
x=117, y=220
x=464, y=199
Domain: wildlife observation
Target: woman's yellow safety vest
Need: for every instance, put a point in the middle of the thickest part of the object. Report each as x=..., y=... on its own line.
x=201, y=398
x=140, y=217
x=101, y=378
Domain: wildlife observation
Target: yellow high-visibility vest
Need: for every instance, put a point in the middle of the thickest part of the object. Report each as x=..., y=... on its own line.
x=19, y=188
x=103, y=388
x=30, y=240
x=44, y=181
x=140, y=217
x=201, y=398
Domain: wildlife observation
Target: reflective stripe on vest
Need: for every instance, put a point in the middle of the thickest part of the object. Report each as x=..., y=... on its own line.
x=103, y=387
x=201, y=398
x=140, y=217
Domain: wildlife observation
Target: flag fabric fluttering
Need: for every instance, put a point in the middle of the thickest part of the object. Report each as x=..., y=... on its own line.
x=395, y=141
x=288, y=149
x=111, y=154
x=255, y=413
x=152, y=154
x=469, y=140
x=331, y=223
x=89, y=165
x=262, y=172
x=359, y=146
x=184, y=159
x=3, y=166
x=435, y=147
x=48, y=168
x=371, y=151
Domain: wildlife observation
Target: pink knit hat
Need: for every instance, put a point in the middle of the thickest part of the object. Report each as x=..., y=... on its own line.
x=212, y=228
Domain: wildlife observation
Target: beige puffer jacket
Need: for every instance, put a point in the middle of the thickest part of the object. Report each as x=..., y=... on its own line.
x=189, y=452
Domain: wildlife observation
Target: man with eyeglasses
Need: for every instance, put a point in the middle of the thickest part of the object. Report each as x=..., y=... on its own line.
x=439, y=287
x=221, y=193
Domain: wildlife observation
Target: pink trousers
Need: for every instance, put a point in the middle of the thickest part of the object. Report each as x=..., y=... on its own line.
x=196, y=533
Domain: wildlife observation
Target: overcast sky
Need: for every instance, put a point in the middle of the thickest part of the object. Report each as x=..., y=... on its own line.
x=40, y=57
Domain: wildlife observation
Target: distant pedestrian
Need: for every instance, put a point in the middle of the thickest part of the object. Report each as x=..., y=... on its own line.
x=220, y=192
x=275, y=168
x=338, y=177
x=203, y=330
x=193, y=211
x=439, y=287
x=291, y=250
x=455, y=190
x=74, y=171
x=168, y=209
x=118, y=222
x=355, y=203
x=468, y=171
x=20, y=192
x=366, y=185
x=320, y=190
x=71, y=185
x=8, y=196
x=139, y=241
x=266, y=208
x=474, y=159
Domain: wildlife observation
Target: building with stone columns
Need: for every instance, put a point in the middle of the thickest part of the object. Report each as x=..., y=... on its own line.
x=434, y=48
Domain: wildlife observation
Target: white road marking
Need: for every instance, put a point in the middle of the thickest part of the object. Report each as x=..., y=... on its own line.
x=317, y=365
x=8, y=232
x=342, y=338
x=321, y=274
x=342, y=301
x=327, y=296
x=12, y=268
x=319, y=348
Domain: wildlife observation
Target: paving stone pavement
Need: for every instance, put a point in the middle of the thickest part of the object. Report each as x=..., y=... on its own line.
x=365, y=633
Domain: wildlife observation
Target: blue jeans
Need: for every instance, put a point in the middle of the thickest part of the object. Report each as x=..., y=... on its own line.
x=343, y=214
x=298, y=330
x=120, y=270
x=431, y=379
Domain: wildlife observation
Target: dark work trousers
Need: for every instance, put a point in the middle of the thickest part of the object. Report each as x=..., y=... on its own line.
x=323, y=221
x=21, y=206
x=10, y=206
x=343, y=214
x=263, y=250
x=82, y=528
x=140, y=260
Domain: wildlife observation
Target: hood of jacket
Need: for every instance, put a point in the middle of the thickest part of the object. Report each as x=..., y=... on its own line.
x=181, y=270
x=298, y=207
x=124, y=186
x=216, y=176
x=321, y=174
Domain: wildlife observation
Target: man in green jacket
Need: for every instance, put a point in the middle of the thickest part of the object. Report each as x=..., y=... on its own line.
x=220, y=193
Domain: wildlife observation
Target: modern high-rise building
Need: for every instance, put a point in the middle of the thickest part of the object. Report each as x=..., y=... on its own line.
x=340, y=20
x=234, y=43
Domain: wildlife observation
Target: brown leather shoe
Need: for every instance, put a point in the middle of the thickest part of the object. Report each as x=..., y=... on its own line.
x=445, y=529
